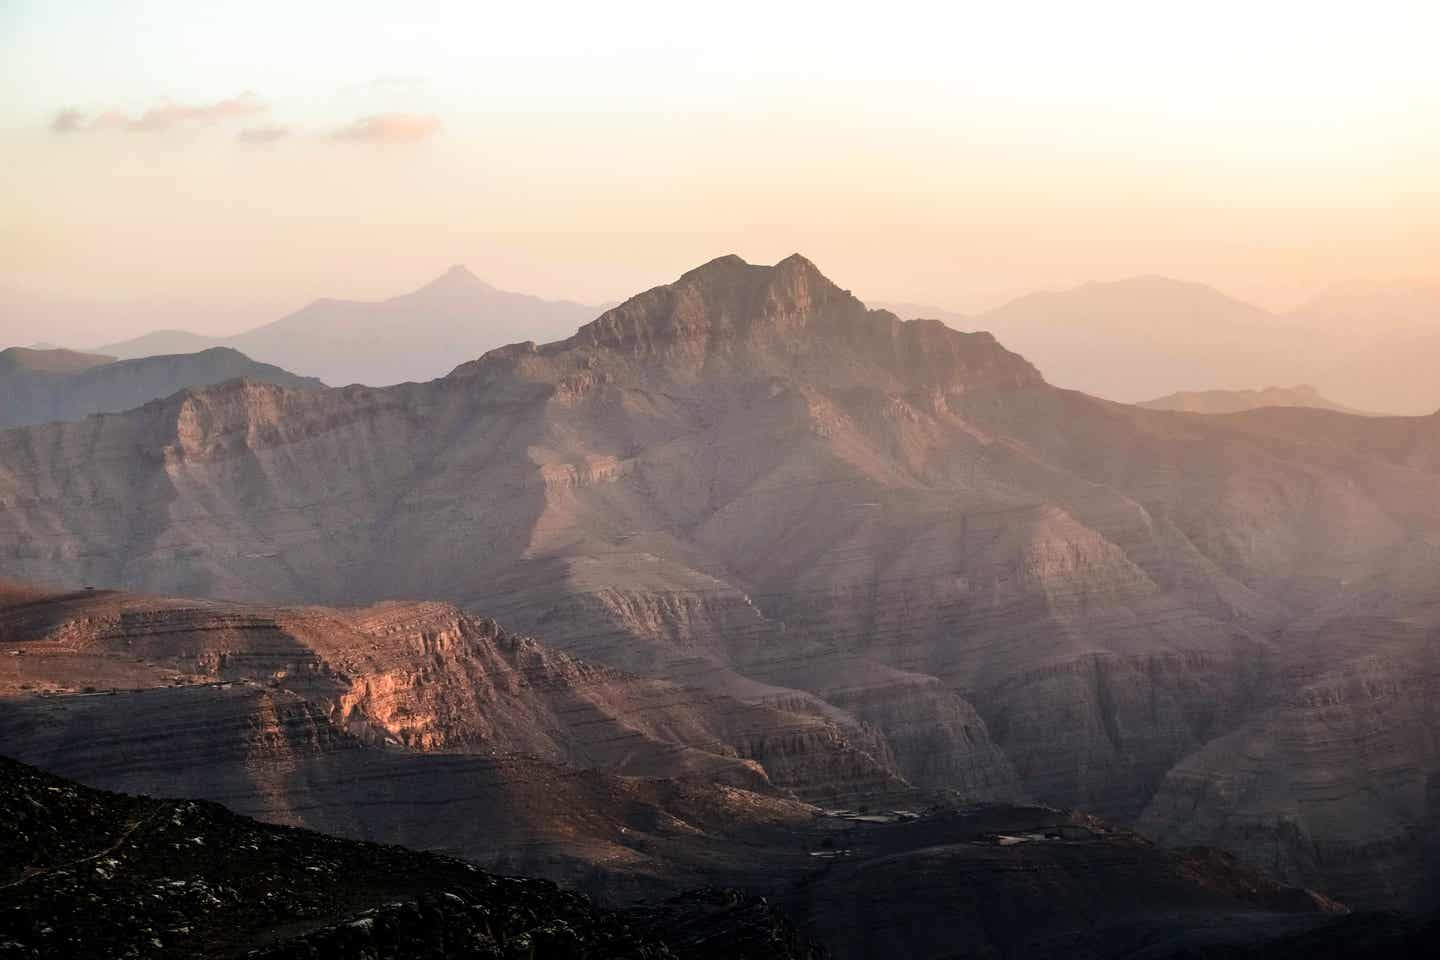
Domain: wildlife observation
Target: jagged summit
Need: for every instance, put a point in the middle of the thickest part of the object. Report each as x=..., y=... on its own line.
x=786, y=319
x=728, y=262
x=732, y=263
x=725, y=295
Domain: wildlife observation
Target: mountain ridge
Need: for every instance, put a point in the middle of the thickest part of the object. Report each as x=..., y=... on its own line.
x=38, y=386
x=414, y=336
x=1237, y=401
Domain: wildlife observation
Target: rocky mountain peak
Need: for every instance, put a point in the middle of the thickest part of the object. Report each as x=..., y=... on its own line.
x=790, y=318
x=717, y=303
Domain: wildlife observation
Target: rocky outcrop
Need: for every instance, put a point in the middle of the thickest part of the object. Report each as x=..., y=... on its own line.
x=273, y=756
x=1337, y=783
x=87, y=872
x=419, y=676
x=732, y=316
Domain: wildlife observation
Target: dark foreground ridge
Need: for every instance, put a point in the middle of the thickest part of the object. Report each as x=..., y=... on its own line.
x=90, y=873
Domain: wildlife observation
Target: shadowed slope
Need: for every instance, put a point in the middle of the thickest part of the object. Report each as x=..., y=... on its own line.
x=87, y=872
x=37, y=386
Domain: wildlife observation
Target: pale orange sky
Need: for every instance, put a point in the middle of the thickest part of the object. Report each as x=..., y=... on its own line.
x=282, y=152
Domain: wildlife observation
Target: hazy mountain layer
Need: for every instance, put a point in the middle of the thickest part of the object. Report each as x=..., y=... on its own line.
x=1365, y=348
x=1238, y=401
x=40, y=386
x=1144, y=337
x=1390, y=372
x=414, y=337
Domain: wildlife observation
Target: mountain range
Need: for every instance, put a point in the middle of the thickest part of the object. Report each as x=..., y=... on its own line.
x=1366, y=347
x=1238, y=401
x=417, y=336
x=38, y=386
x=748, y=484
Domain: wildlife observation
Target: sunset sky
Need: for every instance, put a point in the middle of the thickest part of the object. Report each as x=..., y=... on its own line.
x=944, y=153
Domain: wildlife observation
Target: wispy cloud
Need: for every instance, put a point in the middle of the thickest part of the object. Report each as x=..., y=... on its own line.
x=67, y=121
x=389, y=128
x=265, y=133
x=159, y=118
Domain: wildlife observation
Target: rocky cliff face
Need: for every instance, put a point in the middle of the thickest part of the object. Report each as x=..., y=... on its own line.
x=420, y=676
x=747, y=482
x=1336, y=781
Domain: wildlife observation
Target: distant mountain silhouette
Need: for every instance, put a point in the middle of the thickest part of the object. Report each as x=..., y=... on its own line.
x=162, y=343
x=906, y=310
x=1364, y=347
x=417, y=336
x=1386, y=345
x=1369, y=309
x=1131, y=340
x=1395, y=373
x=1237, y=401
x=38, y=386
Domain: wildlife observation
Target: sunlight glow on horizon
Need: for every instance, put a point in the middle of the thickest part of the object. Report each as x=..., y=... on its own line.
x=589, y=153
